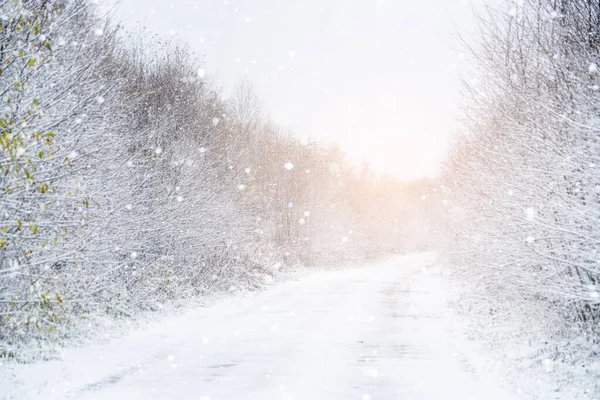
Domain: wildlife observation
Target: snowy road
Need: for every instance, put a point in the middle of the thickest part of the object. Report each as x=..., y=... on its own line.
x=376, y=332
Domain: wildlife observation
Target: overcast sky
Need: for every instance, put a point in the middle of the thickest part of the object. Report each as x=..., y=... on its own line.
x=380, y=77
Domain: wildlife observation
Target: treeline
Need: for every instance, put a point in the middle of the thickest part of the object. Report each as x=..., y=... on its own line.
x=127, y=181
x=520, y=196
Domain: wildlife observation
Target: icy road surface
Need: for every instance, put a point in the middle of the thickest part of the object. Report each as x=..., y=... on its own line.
x=377, y=332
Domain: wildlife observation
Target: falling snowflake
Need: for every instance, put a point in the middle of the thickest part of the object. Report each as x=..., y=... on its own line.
x=129, y=206
x=158, y=150
x=133, y=255
x=201, y=73
x=289, y=166
x=530, y=212
x=307, y=213
x=215, y=121
x=179, y=199
x=530, y=239
x=130, y=164
x=593, y=68
x=98, y=32
x=247, y=170
x=301, y=221
x=241, y=186
x=100, y=100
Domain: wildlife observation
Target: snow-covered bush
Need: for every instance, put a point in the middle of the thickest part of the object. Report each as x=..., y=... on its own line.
x=519, y=195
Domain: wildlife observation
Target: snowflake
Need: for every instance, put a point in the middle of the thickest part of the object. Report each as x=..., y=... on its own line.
x=530, y=212
x=289, y=166
x=530, y=239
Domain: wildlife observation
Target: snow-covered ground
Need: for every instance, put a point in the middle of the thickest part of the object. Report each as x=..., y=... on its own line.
x=381, y=331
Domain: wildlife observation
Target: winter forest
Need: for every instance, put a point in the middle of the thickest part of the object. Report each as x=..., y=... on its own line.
x=132, y=187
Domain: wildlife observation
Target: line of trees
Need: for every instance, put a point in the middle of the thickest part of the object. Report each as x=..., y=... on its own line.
x=127, y=181
x=520, y=194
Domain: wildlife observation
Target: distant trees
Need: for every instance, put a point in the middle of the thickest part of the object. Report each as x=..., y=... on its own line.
x=520, y=192
x=126, y=181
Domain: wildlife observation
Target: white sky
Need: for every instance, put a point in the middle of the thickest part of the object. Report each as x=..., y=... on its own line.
x=380, y=77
